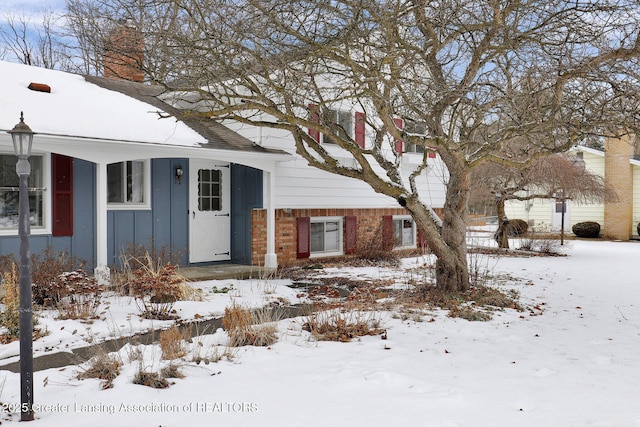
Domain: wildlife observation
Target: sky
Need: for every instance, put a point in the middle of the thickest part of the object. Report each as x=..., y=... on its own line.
x=32, y=10
x=30, y=6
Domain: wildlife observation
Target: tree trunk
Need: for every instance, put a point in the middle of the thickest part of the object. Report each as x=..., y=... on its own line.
x=502, y=234
x=448, y=243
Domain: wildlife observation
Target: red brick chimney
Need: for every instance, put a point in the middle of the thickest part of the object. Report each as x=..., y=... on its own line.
x=124, y=53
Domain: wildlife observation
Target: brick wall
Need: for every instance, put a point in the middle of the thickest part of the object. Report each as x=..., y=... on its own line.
x=369, y=222
x=619, y=174
x=124, y=53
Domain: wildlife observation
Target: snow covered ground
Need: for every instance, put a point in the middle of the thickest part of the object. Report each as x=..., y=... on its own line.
x=576, y=364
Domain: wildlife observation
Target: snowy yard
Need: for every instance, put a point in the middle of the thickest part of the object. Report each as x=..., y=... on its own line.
x=573, y=363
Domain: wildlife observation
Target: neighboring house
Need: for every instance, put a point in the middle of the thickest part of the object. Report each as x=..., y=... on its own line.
x=111, y=166
x=620, y=166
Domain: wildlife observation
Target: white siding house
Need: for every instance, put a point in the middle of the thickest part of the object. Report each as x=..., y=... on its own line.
x=545, y=215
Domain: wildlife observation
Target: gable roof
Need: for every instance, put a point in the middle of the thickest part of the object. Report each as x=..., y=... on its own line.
x=217, y=135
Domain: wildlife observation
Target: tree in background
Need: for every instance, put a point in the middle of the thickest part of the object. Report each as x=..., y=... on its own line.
x=558, y=175
x=34, y=43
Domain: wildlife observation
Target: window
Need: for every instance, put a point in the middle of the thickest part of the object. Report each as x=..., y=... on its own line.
x=326, y=236
x=9, y=192
x=343, y=119
x=416, y=128
x=127, y=183
x=404, y=233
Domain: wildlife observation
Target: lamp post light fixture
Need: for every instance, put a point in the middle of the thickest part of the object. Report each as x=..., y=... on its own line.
x=22, y=137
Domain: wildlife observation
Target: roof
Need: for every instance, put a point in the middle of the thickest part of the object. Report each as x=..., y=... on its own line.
x=217, y=135
x=85, y=107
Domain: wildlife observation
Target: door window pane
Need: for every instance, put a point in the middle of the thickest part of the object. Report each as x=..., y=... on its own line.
x=209, y=190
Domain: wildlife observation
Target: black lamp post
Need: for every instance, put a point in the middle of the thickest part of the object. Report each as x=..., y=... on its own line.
x=22, y=138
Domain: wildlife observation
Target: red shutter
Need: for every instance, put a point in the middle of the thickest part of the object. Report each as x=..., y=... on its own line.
x=350, y=234
x=398, y=143
x=387, y=228
x=304, y=237
x=360, y=131
x=62, y=195
x=314, y=118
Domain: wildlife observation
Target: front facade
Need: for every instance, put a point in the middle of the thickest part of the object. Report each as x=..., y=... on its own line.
x=618, y=219
x=111, y=169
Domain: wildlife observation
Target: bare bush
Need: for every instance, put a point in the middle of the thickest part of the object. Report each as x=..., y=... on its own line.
x=103, y=366
x=10, y=317
x=45, y=269
x=156, y=287
x=378, y=248
x=150, y=379
x=172, y=343
x=336, y=325
x=247, y=327
x=76, y=295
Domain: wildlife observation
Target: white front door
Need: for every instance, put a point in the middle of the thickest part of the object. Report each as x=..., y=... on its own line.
x=209, y=211
x=556, y=214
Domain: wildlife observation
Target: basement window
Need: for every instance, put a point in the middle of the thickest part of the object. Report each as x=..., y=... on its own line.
x=326, y=236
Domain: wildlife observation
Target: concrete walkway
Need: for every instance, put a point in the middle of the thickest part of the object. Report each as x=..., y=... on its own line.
x=223, y=271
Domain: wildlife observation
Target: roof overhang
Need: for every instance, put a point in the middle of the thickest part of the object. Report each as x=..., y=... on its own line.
x=105, y=151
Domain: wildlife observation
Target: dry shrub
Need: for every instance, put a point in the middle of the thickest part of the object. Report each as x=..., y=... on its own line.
x=172, y=343
x=10, y=317
x=172, y=370
x=136, y=256
x=541, y=242
x=103, y=366
x=378, y=248
x=336, y=325
x=156, y=287
x=45, y=268
x=76, y=295
x=476, y=304
x=247, y=327
x=150, y=379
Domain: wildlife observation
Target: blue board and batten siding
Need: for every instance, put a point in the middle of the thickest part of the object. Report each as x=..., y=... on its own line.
x=246, y=195
x=82, y=243
x=166, y=224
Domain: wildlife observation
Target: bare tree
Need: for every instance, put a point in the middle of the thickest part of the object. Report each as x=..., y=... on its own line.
x=31, y=43
x=558, y=175
x=92, y=22
x=477, y=75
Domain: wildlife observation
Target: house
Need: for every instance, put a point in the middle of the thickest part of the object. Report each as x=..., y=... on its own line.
x=620, y=165
x=112, y=166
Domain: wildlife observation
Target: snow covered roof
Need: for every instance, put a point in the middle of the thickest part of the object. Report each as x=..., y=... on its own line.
x=77, y=108
x=84, y=107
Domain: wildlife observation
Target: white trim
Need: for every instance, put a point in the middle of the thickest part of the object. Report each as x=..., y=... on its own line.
x=146, y=197
x=101, y=215
x=325, y=219
x=269, y=190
